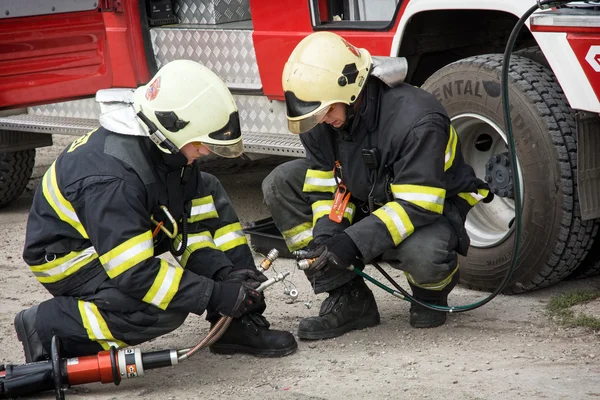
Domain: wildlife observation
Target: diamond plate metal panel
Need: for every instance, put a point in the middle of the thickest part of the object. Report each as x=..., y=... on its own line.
x=46, y=124
x=228, y=53
x=211, y=11
x=260, y=115
x=87, y=108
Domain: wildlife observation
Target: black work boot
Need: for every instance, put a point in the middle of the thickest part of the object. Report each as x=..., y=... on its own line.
x=423, y=317
x=250, y=334
x=27, y=334
x=351, y=306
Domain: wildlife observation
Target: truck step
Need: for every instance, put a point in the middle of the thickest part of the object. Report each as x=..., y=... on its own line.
x=254, y=142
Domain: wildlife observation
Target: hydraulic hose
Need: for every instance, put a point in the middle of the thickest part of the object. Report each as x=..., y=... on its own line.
x=402, y=293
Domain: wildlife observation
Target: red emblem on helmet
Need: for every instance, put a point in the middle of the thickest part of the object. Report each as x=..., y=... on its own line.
x=353, y=49
x=153, y=89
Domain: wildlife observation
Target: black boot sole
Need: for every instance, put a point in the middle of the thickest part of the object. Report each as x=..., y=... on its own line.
x=22, y=335
x=236, y=348
x=361, y=323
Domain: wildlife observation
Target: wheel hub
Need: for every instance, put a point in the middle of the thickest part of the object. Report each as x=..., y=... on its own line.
x=498, y=175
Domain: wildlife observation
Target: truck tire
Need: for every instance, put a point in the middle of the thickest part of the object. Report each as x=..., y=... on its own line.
x=554, y=237
x=15, y=170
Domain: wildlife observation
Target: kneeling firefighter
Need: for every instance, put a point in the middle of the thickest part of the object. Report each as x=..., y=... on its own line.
x=383, y=178
x=127, y=192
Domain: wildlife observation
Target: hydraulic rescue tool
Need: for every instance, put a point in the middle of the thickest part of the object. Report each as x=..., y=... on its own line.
x=110, y=366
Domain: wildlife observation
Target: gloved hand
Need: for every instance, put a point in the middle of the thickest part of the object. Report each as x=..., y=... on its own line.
x=233, y=299
x=251, y=276
x=338, y=251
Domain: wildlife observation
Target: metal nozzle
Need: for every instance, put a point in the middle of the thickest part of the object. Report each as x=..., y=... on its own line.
x=306, y=263
x=268, y=260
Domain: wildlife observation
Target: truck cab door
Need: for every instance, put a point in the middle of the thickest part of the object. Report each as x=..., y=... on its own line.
x=54, y=51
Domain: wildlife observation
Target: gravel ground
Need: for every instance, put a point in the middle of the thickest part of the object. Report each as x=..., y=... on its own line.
x=507, y=349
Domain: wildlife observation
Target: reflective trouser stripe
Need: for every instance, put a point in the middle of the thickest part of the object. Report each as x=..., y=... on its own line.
x=165, y=285
x=128, y=254
x=396, y=220
x=450, y=148
x=96, y=326
x=474, y=198
x=319, y=181
x=432, y=286
x=299, y=236
x=426, y=197
x=195, y=242
x=64, y=266
x=203, y=208
x=322, y=208
x=230, y=236
x=57, y=201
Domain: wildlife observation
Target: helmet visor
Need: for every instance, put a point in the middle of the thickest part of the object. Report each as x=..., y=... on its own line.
x=307, y=122
x=228, y=151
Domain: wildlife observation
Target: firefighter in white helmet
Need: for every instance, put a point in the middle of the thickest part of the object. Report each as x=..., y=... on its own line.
x=120, y=196
x=383, y=178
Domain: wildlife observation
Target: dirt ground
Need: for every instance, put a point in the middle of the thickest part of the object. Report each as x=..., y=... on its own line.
x=507, y=349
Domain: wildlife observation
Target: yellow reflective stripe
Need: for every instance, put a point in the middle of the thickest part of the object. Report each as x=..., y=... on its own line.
x=195, y=242
x=450, y=148
x=320, y=209
x=474, y=198
x=57, y=201
x=128, y=254
x=319, y=181
x=96, y=326
x=230, y=236
x=64, y=266
x=396, y=220
x=299, y=236
x=427, y=197
x=432, y=286
x=165, y=285
x=203, y=208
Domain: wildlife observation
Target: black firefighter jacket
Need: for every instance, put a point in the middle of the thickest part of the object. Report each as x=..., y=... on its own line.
x=420, y=172
x=91, y=221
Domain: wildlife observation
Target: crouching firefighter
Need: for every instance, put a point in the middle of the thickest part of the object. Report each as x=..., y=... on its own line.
x=383, y=178
x=117, y=198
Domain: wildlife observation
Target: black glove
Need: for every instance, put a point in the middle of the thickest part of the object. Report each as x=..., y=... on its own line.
x=233, y=299
x=338, y=251
x=250, y=276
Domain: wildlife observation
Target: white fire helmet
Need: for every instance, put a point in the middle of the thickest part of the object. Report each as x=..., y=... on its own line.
x=189, y=103
x=323, y=69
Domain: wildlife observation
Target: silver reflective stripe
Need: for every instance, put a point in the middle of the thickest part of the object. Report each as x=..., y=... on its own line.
x=349, y=211
x=477, y=196
x=292, y=240
x=69, y=213
x=319, y=209
x=62, y=268
x=231, y=236
x=95, y=325
x=430, y=198
x=320, y=182
x=165, y=285
x=132, y=252
x=203, y=209
x=396, y=220
x=196, y=239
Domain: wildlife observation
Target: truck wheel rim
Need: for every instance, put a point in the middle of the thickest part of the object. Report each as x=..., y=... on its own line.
x=487, y=224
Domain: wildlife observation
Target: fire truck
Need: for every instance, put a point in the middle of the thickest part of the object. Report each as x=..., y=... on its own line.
x=55, y=55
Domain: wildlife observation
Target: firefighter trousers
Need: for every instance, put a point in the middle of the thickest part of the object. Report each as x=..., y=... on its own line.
x=96, y=314
x=428, y=256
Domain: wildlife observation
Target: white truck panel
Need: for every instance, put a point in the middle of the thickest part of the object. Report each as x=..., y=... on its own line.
x=555, y=47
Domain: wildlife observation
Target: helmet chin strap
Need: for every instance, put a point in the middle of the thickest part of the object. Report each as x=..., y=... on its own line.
x=157, y=136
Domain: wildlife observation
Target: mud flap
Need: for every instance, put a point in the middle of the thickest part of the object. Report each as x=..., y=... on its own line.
x=588, y=164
